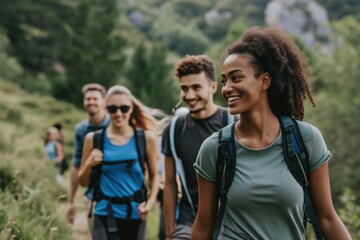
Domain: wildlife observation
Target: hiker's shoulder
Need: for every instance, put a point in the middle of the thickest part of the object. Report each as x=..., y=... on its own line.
x=81, y=126
x=210, y=143
x=90, y=135
x=308, y=131
x=149, y=135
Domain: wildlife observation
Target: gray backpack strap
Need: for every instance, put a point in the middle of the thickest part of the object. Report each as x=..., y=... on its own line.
x=225, y=170
x=178, y=163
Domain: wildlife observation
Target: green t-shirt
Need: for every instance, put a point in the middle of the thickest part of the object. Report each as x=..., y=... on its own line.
x=264, y=200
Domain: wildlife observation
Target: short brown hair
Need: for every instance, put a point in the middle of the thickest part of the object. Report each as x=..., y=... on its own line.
x=194, y=64
x=93, y=87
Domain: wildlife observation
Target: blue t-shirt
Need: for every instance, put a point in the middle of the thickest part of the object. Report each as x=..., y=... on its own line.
x=120, y=179
x=50, y=150
x=81, y=129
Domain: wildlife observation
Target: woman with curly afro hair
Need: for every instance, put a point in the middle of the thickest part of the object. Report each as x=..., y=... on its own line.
x=265, y=75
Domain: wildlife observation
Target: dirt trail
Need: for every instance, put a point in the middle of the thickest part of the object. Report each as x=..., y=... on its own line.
x=80, y=227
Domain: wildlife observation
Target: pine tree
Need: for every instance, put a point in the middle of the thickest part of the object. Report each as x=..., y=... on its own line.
x=149, y=77
x=94, y=49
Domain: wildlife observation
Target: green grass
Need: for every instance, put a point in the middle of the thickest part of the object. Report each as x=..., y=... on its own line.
x=30, y=196
x=32, y=203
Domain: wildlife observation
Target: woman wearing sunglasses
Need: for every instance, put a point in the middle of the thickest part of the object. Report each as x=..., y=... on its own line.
x=122, y=174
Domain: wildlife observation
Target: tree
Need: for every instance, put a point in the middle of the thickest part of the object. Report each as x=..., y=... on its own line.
x=149, y=78
x=64, y=44
x=32, y=27
x=338, y=104
x=10, y=69
x=93, y=49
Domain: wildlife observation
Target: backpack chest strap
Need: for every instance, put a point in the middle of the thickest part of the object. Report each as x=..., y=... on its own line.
x=139, y=196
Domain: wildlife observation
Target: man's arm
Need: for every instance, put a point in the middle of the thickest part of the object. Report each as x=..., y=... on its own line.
x=74, y=183
x=170, y=195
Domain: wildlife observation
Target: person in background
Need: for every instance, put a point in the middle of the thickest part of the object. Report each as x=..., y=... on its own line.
x=161, y=172
x=55, y=151
x=165, y=121
x=94, y=105
x=59, y=127
x=196, y=75
x=122, y=179
x=265, y=75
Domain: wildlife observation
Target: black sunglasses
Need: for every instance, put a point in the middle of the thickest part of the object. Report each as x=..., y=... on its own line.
x=114, y=108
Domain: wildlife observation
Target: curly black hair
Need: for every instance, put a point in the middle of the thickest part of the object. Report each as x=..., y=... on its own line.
x=273, y=51
x=194, y=64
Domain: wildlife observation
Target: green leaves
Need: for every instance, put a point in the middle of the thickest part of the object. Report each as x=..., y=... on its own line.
x=149, y=77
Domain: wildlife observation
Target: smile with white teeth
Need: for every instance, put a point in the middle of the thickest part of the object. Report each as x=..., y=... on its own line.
x=231, y=99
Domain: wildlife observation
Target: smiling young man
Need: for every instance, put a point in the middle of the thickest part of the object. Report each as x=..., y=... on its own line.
x=94, y=104
x=196, y=76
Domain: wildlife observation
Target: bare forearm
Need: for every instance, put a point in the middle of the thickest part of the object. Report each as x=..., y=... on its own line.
x=154, y=189
x=335, y=229
x=200, y=233
x=73, y=184
x=83, y=174
x=207, y=213
x=170, y=200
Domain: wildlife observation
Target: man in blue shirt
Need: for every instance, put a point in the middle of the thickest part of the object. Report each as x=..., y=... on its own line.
x=94, y=104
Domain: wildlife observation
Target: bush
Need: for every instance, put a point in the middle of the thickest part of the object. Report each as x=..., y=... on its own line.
x=10, y=69
x=7, y=178
x=350, y=214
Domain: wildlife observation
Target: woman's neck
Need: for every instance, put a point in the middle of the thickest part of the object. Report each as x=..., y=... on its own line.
x=122, y=130
x=119, y=135
x=257, y=130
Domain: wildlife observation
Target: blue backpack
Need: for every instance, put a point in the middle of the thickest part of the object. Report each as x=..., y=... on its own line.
x=296, y=159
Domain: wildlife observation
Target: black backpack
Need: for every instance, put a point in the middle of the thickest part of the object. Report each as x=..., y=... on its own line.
x=94, y=190
x=175, y=127
x=295, y=156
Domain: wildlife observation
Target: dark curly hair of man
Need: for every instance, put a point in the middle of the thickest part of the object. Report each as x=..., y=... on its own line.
x=195, y=64
x=273, y=51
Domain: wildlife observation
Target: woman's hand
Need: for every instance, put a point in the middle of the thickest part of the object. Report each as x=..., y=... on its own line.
x=95, y=158
x=144, y=209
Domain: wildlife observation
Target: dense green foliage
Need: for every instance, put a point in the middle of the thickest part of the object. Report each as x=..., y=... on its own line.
x=56, y=46
x=338, y=104
x=93, y=49
x=340, y=8
x=149, y=75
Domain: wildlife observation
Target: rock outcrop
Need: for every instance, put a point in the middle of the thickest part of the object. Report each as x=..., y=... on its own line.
x=305, y=19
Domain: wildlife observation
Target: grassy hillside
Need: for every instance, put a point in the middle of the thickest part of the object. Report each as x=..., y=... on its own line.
x=32, y=203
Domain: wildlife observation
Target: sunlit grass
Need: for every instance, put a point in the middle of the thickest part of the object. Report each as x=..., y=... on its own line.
x=32, y=203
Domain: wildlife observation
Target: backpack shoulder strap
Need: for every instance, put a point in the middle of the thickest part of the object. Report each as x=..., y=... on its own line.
x=93, y=188
x=225, y=170
x=141, y=145
x=178, y=163
x=98, y=141
x=297, y=161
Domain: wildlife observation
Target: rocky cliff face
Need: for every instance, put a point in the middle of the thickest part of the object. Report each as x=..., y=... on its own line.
x=303, y=18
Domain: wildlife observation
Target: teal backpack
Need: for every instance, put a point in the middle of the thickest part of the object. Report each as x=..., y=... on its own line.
x=296, y=159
